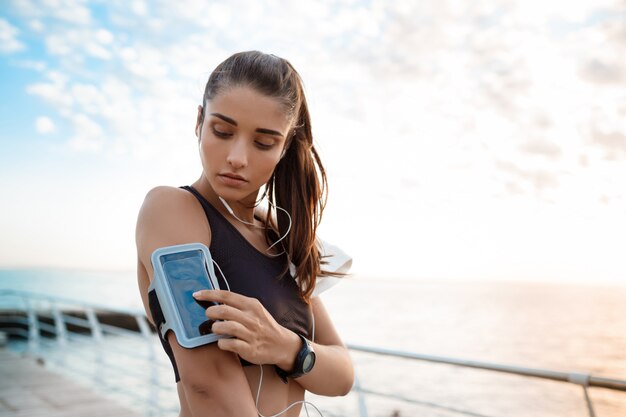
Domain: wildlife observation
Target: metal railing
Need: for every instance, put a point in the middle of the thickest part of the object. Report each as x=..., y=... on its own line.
x=59, y=318
x=585, y=380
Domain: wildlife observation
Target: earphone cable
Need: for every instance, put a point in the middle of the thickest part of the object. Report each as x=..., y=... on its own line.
x=258, y=393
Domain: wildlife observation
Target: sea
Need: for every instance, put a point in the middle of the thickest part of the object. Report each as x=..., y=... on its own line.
x=557, y=326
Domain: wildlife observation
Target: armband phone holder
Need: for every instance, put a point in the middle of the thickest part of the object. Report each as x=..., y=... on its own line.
x=179, y=271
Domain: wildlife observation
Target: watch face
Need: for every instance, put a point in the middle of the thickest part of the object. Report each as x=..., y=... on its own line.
x=309, y=361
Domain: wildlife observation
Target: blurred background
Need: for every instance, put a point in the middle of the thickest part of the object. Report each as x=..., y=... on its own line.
x=463, y=139
x=475, y=150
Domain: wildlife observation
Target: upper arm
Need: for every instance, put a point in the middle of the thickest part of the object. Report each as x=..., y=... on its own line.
x=171, y=216
x=211, y=372
x=212, y=380
x=168, y=216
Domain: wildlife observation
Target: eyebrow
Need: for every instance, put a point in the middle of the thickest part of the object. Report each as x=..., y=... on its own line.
x=259, y=130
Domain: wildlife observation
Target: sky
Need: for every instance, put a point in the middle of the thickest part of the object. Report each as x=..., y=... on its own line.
x=479, y=140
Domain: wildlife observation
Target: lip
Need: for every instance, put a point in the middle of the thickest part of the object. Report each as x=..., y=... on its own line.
x=232, y=180
x=234, y=176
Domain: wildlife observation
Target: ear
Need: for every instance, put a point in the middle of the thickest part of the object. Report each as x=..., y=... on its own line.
x=199, y=120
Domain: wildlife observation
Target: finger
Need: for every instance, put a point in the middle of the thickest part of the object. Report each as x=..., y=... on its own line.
x=233, y=345
x=205, y=304
x=232, y=328
x=225, y=297
x=226, y=312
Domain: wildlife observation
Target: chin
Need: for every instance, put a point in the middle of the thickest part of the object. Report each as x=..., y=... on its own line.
x=235, y=194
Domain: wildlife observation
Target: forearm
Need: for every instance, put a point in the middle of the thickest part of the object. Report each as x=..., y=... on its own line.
x=333, y=373
x=258, y=338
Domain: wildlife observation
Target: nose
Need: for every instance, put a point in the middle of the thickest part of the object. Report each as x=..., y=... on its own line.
x=237, y=154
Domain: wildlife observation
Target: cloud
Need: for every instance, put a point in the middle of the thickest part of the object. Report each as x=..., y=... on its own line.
x=542, y=148
x=39, y=66
x=147, y=62
x=77, y=44
x=89, y=135
x=53, y=92
x=430, y=76
x=36, y=25
x=139, y=7
x=514, y=188
x=44, y=125
x=614, y=143
x=604, y=71
x=539, y=179
x=68, y=11
x=603, y=62
x=538, y=11
x=8, y=38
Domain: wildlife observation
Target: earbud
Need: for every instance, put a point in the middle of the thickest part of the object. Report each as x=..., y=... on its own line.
x=228, y=207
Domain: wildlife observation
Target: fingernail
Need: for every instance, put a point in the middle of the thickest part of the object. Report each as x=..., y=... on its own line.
x=195, y=294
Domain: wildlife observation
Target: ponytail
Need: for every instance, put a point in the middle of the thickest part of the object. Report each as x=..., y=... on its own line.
x=299, y=186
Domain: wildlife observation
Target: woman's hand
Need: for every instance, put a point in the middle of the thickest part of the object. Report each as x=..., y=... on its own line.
x=256, y=336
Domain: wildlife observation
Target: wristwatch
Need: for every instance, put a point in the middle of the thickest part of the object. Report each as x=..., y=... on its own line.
x=303, y=364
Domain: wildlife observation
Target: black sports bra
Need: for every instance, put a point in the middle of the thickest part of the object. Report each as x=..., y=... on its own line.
x=253, y=274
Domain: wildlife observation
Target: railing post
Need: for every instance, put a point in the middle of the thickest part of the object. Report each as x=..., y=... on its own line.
x=360, y=397
x=33, y=326
x=59, y=324
x=589, y=403
x=582, y=379
x=144, y=328
x=94, y=324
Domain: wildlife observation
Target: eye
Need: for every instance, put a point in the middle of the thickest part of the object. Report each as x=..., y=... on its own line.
x=220, y=132
x=263, y=144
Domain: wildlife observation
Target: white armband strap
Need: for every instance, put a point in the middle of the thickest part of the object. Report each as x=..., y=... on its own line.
x=334, y=259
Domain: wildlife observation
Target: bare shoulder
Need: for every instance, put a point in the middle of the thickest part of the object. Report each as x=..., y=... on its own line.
x=169, y=216
x=161, y=200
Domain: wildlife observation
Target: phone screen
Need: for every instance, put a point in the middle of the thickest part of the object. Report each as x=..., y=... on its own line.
x=186, y=273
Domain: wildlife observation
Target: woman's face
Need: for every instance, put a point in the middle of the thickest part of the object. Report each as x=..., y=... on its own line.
x=241, y=141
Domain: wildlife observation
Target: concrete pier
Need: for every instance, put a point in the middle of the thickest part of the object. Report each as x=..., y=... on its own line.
x=27, y=389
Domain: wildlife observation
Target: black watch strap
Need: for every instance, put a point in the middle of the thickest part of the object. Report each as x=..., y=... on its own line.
x=305, y=359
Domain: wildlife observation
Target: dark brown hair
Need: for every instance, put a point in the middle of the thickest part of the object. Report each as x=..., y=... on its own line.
x=298, y=183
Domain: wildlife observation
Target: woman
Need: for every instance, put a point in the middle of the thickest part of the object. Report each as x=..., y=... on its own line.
x=254, y=132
